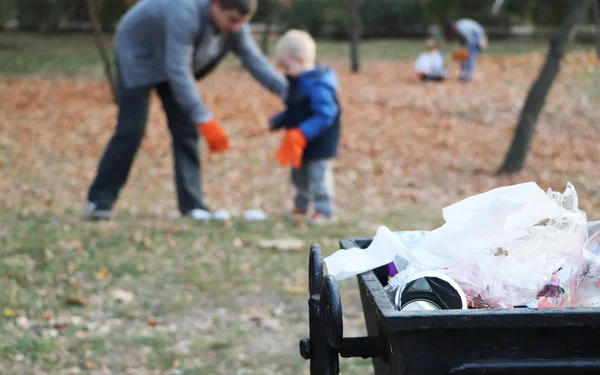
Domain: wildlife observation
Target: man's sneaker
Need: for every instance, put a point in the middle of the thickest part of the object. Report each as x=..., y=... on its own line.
x=199, y=214
x=318, y=219
x=222, y=215
x=295, y=214
x=96, y=213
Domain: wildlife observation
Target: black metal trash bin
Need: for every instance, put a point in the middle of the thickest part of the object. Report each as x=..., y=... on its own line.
x=476, y=341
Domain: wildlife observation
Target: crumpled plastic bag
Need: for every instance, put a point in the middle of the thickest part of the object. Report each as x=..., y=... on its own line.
x=503, y=246
x=409, y=239
x=585, y=283
x=383, y=249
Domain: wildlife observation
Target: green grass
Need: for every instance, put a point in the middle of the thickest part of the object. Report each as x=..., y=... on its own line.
x=195, y=280
x=76, y=54
x=22, y=53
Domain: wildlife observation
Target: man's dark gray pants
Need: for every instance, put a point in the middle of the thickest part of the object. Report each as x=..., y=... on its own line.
x=120, y=152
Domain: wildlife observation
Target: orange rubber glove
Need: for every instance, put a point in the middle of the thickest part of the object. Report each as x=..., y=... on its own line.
x=215, y=136
x=291, y=149
x=461, y=54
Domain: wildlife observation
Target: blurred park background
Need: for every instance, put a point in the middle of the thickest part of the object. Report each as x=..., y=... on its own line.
x=323, y=19
x=150, y=293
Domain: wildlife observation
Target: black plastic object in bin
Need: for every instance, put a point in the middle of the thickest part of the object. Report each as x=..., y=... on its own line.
x=457, y=342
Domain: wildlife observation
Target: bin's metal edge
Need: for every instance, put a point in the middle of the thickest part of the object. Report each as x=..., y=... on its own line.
x=494, y=318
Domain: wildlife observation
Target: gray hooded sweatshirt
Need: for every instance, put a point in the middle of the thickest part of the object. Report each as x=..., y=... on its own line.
x=173, y=40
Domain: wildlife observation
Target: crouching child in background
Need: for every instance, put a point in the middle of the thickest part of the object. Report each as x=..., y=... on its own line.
x=430, y=65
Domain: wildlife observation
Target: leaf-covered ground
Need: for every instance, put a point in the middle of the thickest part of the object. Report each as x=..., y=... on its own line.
x=152, y=294
x=402, y=141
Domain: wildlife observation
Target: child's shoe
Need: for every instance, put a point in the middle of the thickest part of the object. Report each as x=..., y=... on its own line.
x=318, y=219
x=295, y=214
x=199, y=214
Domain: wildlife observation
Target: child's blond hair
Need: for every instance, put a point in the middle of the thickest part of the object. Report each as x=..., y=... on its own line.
x=297, y=44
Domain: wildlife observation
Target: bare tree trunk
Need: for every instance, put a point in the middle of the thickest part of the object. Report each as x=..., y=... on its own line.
x=537, y=94
x=354, y=35
x=95, y=19
x=596, y=11
x=497, y=7
x=267, y=35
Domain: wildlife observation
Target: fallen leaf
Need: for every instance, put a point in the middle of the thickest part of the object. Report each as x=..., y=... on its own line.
x=295, y=290
x=47, y=316
x=183, y=348
x=9, y=313
x=279, y=310
x=23, y=322
x=76, y=301
x=174, y=230
x=122, y=296
x=71, y=245
x=151, y=321
x=102, y=273
x=60, y=325
x=283, y=244
x=237, y=242
x=138, y=236
x=266, y=322
x=50, y=333
x=90, y=365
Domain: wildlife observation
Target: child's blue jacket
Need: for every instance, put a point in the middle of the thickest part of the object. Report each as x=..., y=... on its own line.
x=312, y=105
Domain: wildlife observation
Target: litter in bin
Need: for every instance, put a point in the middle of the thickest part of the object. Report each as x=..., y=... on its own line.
x=514, y=246
x=586, y=281
x=429, y=291
x=347, y=263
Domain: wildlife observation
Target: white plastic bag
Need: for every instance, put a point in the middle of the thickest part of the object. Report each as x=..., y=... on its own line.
x=383, y=249
x=505, y=244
